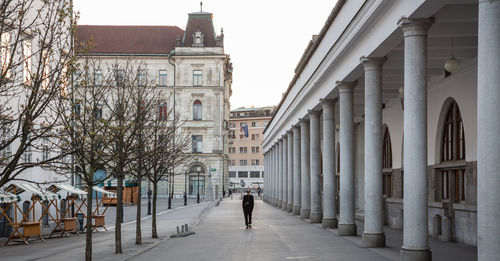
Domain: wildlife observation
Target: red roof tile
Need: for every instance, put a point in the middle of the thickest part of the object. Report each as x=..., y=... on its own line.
x=114, y=39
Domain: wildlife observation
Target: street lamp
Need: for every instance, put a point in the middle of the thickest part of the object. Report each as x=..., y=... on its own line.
x=198, y=190
x=185, y=188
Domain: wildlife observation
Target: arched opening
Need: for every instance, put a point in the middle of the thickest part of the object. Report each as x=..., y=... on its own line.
x=452, y=149
x=197, y=110
x=387, y=164
x=196, y=180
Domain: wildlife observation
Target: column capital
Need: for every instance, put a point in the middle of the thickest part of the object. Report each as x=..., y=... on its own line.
x=412, y=27
x=345, y=86
x=325, y=102
x=303, y=120
x=314, y=113
x=372, y=63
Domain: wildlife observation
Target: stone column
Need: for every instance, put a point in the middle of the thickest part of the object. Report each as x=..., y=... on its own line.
x=415, y=242
x=273, y=177
x=264, y=190
x=296, y=171
x=305, y=209
x=315, y=168
x=373, y=234
x=329, y=180
x=280, y=173
x=277, y=178
x=347, y=224
x=285, y=174
x=488, y=126
x=289, y=139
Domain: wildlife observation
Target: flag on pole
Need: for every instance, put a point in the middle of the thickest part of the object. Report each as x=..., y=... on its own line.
x=245, y=130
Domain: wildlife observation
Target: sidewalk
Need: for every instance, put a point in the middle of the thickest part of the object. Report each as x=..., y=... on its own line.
x=277, y=235
x=73, y=248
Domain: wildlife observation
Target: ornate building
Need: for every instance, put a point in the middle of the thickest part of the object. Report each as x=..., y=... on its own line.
x=192, y=69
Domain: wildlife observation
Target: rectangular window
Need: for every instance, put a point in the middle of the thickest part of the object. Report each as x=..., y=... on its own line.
x=262, y=174
x=197, y=143
x=232, y=163
x=119, y=77
x=255, y=149
x=5, y=45
x=232, y=150
x=162, y=78
x=46, y=70
x=243, y=150
x=197, y=78
x=232, y=174
x=27, y=62
x=232, y=125
x=243, y=162
x=98, y=77
x=77, y=107
x=254, y=162
x=142, y=78
x=45, y=150
x=242, y=174
x=242, y=124
x=255, y=136
x=98, y=112
x=254, y=174
x=255, y=124
x=27, y=154
x=162, y=111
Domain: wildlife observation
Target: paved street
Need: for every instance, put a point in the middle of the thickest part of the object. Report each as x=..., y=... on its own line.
x=73, y=248
x=277, y=235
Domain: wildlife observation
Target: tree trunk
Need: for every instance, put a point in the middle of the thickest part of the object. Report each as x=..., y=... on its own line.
x=138, y=235
x=155, y=193
x=88, y=234
x=119, y=214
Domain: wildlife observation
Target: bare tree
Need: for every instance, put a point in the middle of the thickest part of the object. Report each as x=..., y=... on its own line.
x=86, y=133
x=36, y=56
x=166, y=148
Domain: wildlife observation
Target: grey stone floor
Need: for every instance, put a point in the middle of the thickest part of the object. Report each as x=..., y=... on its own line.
x=277, y=235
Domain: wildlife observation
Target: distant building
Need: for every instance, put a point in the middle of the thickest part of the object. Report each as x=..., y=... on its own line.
x=246, y=167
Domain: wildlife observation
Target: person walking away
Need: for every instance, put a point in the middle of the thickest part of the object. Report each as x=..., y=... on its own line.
x=247, y=204
x=259, y=190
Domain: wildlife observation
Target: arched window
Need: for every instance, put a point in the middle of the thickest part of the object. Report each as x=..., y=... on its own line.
x=197, y=110
x=387, y=165
x=453, y=182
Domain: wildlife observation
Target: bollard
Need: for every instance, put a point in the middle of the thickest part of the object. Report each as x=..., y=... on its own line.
x=182, y=229
x=178, y=230
x=187, y=229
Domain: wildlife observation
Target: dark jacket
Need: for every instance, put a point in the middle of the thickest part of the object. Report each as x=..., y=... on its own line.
x=247, y=202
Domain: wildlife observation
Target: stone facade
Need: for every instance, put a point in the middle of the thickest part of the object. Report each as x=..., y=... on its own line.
x=194, y=74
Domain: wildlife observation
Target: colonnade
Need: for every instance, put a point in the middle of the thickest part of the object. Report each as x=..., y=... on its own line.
x=295, y=165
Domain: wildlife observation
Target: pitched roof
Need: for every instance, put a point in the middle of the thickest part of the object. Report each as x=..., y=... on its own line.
x=203, y=21
x=115, y=39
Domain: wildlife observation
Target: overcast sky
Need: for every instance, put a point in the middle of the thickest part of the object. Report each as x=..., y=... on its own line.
x=265, y=38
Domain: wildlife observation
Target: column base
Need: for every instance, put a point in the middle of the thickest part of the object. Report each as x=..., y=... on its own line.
x=305, y=213
x=280, y=203
x=373, y=240
x=296, y=210
x=346, y=230
x=415, y=255
x=289, y=208
x=329, y=223
x=283, y=205
x=315, y=218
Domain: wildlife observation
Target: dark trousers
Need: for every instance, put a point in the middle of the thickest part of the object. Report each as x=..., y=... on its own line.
x=248, y=216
